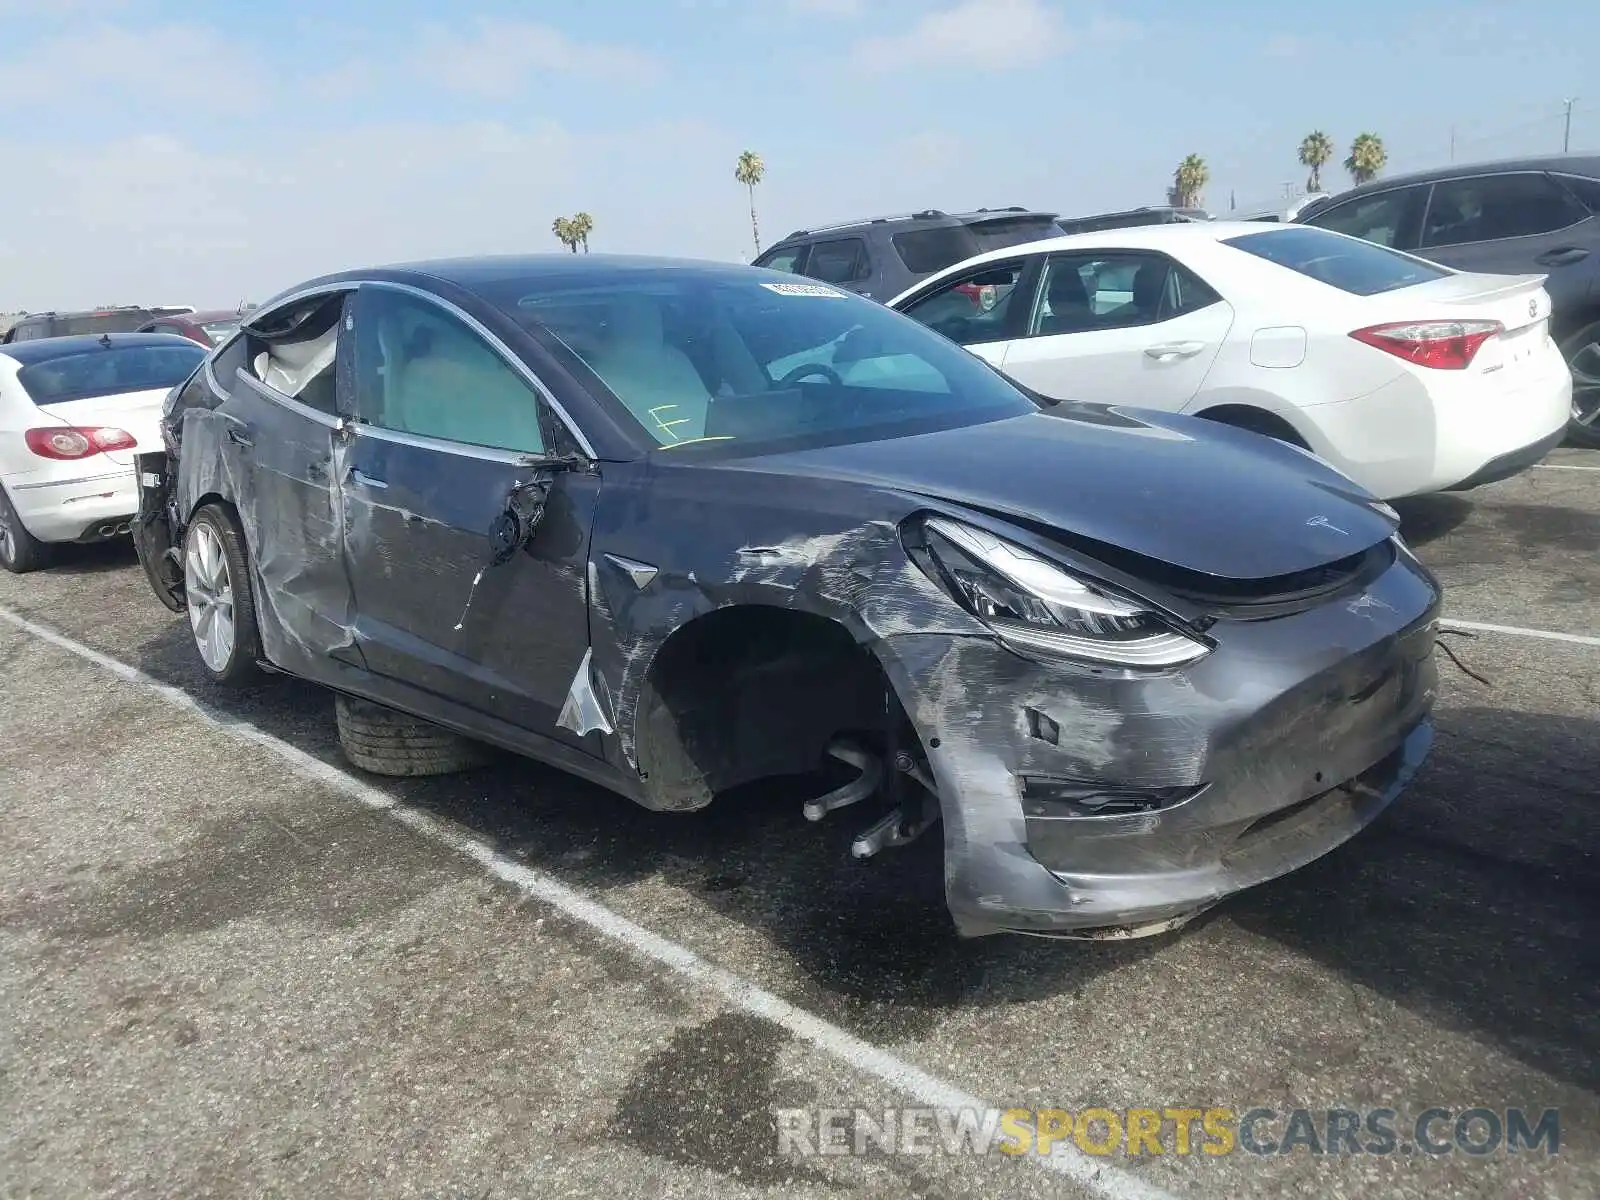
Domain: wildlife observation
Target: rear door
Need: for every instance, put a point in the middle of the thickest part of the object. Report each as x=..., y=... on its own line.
x=784, y=258
x=446, y=420
x=1515, y=223
x=275, y=444
x=1119, y=326
x=983, y=309
x=842, y=262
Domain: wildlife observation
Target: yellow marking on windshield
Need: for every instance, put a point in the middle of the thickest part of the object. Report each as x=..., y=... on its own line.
x=723, y=437
x=666, y=426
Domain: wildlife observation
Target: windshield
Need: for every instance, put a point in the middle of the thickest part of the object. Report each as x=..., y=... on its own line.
x=746, y=360
x=109, y=372
x=1347, y=263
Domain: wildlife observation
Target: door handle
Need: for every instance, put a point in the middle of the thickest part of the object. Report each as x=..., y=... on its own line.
x=1562, y=256
x=362, y=479
x=239, y=437
x=1169, y=350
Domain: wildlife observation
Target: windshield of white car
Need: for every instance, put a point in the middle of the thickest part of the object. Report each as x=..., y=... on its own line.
x=218, y=331
x=109, y=372
x=746, y=360
x=1347, y=263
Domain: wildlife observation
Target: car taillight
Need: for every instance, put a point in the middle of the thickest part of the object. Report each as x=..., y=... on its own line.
x=77, y=441
x=1443, y=345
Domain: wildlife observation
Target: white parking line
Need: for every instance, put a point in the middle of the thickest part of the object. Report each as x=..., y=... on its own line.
x=1098, y=1179
x=1564, y=467
x=1549, y=635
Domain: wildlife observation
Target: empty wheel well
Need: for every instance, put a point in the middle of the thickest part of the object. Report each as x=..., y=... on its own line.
x=1256, y=420
x=749, y=692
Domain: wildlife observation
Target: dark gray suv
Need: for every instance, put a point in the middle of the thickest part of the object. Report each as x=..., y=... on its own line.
x=881, y=257
x=1522, y=216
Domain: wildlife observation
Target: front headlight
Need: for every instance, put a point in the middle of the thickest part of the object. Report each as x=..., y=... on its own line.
x=1035, y=606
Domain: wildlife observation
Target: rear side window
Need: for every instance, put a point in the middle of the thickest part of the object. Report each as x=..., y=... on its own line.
x=1354, y=266
x=842, y=261
x=1586, y=190
x=925, y=251
x=1012, y=231
x=103, y=323
x=1388, y=219
x=1490, y=207
x=109, y=372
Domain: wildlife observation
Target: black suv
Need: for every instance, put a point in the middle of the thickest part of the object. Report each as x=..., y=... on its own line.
x=1518, y=217
x=122, y=319
x=881, y=257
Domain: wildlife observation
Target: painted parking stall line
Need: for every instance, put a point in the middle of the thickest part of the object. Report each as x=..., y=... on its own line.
x=1563, y=467
x=1549, y=635
x=1096, y=1178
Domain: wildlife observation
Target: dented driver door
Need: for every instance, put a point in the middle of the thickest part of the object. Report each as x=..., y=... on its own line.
x=467, y=531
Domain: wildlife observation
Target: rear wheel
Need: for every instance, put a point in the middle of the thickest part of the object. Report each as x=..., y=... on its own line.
x=1582, y=352
x=388, y=742
x=216, y=582
x=20, y=551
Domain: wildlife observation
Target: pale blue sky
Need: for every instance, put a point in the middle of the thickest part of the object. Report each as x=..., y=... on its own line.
x=166, y=152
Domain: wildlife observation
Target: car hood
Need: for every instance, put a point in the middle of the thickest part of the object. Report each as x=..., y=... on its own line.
x=1191, y=493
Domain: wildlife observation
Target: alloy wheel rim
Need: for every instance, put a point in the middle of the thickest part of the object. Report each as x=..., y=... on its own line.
x=8, y=541
x=209, y=590
x=1585, y=365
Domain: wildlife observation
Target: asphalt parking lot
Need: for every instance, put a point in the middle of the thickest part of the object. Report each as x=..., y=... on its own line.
x=231, y=965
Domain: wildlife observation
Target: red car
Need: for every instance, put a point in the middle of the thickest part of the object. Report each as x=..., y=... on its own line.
x=208, y=328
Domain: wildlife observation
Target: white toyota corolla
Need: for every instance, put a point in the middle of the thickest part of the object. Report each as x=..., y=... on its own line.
x=1407, y=376
x=73, y=412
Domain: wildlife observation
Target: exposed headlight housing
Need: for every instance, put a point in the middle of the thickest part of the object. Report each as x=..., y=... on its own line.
x=1036, y=607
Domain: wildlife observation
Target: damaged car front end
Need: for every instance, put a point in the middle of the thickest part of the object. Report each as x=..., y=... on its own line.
x=1128, y=663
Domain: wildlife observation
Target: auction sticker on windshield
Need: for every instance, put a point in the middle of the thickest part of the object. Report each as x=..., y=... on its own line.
x=803, y=289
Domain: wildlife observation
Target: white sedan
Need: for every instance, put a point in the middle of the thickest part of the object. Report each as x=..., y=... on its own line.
x=73, y=412
x=1407, y=376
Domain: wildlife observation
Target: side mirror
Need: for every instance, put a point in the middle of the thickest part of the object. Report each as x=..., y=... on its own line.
x=519, y=520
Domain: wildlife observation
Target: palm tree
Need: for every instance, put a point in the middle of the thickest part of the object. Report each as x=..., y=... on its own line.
x=750, y=170
x=1316, y=148
x=582, y=227
x=1189, y=181
x=565, y=233
x=1367, y=157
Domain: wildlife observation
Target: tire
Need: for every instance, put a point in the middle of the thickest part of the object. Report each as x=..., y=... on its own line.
x=222, y=610
x=385, y=741
x=20, y=551
x=1582, y=352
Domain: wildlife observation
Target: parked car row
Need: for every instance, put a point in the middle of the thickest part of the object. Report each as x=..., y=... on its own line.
x=1528, y=217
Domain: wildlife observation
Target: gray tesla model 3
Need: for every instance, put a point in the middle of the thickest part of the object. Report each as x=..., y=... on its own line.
x=677, y=526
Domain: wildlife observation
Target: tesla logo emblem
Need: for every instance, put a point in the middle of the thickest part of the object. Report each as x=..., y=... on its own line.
x=1321, y=522
x=1533, y=307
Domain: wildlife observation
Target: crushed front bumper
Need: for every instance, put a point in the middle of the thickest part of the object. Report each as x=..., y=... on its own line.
x=1284, y=742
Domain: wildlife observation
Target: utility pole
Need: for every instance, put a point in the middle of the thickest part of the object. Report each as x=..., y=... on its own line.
x=1566, y=137
x=1452, y=143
